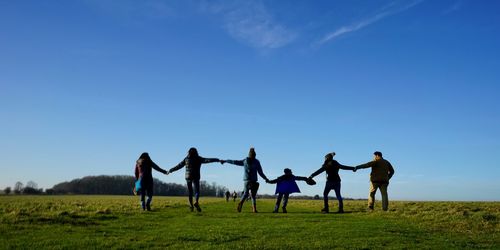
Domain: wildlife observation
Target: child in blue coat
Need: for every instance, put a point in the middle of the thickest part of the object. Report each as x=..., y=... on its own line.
x=286, y=185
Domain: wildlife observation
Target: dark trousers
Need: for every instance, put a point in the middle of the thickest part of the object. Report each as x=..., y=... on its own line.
x=146, y=190
x=335, y=185
x=283, y=196
x=196, y=185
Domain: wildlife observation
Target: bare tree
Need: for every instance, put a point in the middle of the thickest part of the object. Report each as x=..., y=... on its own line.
x=32, y=184
x=18, y=187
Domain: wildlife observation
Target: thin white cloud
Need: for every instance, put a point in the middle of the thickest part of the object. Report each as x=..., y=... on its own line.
x=455, y=7
x=251, y=23
x=391, y=9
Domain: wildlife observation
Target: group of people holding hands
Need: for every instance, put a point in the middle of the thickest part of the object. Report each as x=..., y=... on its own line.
x=381, y=173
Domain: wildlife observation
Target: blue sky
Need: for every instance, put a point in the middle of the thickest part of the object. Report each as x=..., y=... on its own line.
x=86, y=86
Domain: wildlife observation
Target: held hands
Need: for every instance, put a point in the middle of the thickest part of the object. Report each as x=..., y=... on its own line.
x=167, y=172
x=355, y=169
x=222, y=161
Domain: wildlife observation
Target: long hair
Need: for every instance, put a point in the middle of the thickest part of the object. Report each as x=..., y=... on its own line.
x=193, y=152
x=145, y=156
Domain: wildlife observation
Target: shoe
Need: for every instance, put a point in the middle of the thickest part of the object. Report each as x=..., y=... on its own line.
x=254, y=209
x=275, y=211
x=191, y=209
x=239, y=207
x=325, y=210
x=148, y=207
x=284, y=210
x=197, y=206
x=341, y=211
x=370, y=207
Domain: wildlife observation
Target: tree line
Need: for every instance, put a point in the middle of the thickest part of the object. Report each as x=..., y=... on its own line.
x=113, y=185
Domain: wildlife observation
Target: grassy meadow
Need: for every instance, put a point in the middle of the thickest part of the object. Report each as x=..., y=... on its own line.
x=69, y=222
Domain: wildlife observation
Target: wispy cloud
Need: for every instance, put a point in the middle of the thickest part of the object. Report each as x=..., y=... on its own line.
x=390, y=9
x=455, y=7
x=251, y=23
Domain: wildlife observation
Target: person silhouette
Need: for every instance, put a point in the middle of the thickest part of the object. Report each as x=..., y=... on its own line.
x=143, y=174
x=193, y=162
x=332, y=168
x=251, y=167
x=286, y=185
x=382, y=172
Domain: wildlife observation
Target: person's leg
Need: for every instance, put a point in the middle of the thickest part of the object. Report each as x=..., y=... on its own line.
x=336, y=188
x=385, y=197
x=196, y=184
x=246, y=190
x=190, y=193
x=325, y=197
x=278, y=202
x=371, y=198
x=143, y=197
x=285, y=202
x=253, y=189
x=149, y=191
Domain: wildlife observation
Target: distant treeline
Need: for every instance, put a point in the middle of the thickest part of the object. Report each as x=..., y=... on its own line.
x=114, y=185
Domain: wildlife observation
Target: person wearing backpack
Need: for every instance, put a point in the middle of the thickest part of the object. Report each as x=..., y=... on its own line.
x=144, y=179
x=193, y=162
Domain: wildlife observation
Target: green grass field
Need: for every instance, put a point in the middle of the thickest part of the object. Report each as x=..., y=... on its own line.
x=69, y=222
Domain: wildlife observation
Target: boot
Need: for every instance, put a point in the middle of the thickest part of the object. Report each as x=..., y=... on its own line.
x=240, y=206
x=325, y=210
x=197, y=206
x=284, y=210
x=254, y=208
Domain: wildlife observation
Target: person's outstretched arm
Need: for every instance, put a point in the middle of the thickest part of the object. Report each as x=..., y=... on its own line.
x=301, y=178
x=157, y=168
x=261, y=173
x=366, y=165
x=235, y=162
x=346, y=167
x=319, y=171
x=273, y=181
x=178, y=166
x=209, y=160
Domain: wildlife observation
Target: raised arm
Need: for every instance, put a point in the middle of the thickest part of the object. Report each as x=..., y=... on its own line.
x=157, y=168
x=301, y=178
x=235, y=162
x=178, y=166
x=209, y=160
x=319, y=171
x=366, y=165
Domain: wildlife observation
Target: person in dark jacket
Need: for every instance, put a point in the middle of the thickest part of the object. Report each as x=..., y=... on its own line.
x=143, y=171
x=251, y=167
x=382, y=172
x=332, y=168
x=286, y=185
x=193, y=165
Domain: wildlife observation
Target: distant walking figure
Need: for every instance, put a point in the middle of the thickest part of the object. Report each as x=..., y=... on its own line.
x=143, y=173
x=227, y=194
x=235, y=195
x=193, y=165
x=332, y=168
x=382, y=172
x=251, y=167
x=285, y=186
